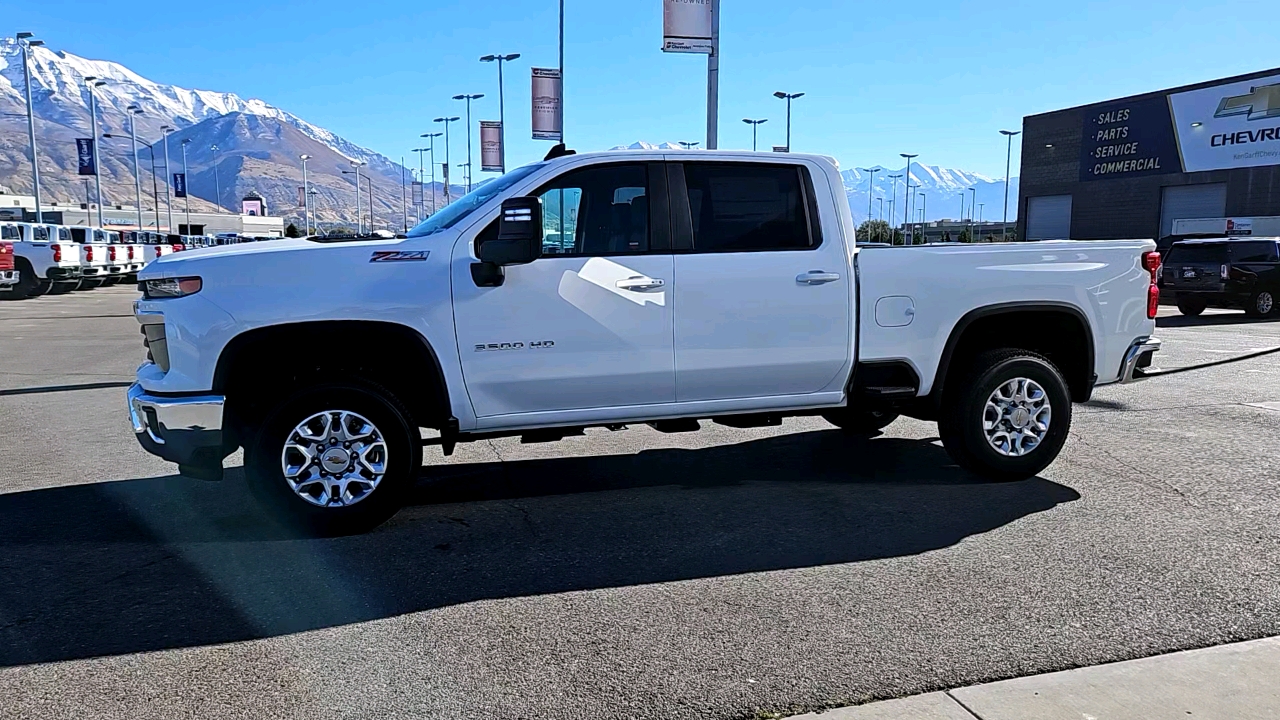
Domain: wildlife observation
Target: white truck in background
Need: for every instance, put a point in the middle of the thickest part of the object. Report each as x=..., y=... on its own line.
x=600, y=290
x=44, y=262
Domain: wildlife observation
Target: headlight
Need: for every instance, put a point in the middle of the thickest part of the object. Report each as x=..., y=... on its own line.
x=171, y=288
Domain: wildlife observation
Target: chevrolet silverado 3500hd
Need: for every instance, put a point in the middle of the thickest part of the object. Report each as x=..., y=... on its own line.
x=603, y=289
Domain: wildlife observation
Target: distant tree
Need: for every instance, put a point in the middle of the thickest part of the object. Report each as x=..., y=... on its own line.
x=946, y=236
x=898, y=237
x=966, y=236
x=292, y=231
x=873, y=231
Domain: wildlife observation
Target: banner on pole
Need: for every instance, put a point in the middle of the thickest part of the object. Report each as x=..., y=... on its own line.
x=444, y=168
x=417, y=193
x=86, y=156
x=302, y=196
x=179, y=185
x=686, y=26
x=548, y=123
x=491, y=146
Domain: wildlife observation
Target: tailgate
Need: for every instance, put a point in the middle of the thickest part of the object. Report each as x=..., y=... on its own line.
x=1193, y=276
x=6, y=256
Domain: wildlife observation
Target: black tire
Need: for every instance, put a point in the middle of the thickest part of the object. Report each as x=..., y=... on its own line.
x=1191, y=307
x=42, y=287
x=91, y=283
x=1261, y=304
x=265, y=453
x=62, y=287
x=27, y=285
x=859, y=422
x=961, y=417
x=110, y=280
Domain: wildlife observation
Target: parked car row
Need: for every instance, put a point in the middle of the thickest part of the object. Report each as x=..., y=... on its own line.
x=39, y=258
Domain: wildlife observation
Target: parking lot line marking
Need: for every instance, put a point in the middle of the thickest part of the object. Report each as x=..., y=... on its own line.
x=1266, y=405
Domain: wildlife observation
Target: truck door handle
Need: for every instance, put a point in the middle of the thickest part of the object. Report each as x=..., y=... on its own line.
x=640, y=283
x=816, y=277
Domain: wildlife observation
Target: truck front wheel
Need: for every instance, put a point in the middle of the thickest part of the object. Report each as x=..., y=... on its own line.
x=1008, y=415
x=335, y=458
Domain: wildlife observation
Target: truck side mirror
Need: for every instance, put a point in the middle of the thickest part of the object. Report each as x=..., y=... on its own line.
x=519, y=238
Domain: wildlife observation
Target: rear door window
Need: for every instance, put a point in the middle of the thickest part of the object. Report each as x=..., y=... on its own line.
x=9, y=232
x=1259, y=251
x=739, y=207
x=1198, y=253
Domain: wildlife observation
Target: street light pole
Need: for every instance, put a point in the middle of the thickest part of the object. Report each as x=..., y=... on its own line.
x=217, y=185
x=306, y=197
x=893, y=201
x=468, y=98
x=871, y=179
x=688, y=145
x=755, y=124
x=168, y=199
x=91, y=83
x=26, y=43
x=431, y=137
x=973, y=204
x=134, y=111
x=359, y=217
x=788, y=97
x=448, y=194
x=713, y=80
x=186, y=183
x=924, y=215
x=1004, y=230
x=906, y=220
x=502, y=109
x=404, y=197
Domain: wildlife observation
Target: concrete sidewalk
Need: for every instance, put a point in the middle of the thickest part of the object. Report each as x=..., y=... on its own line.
x=1228, y=682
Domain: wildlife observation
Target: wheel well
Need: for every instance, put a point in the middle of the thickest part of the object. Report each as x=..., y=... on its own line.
x=267, y=362
x=1060, y=333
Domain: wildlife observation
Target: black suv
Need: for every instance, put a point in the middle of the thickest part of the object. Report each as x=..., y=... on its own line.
x=1224, y=273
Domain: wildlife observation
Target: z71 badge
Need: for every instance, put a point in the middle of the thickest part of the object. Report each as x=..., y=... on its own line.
x=399, y=255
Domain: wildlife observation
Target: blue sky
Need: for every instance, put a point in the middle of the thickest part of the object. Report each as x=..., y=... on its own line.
x=935, y=78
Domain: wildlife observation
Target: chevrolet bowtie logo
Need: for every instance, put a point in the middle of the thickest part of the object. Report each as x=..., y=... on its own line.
x=1260, y=104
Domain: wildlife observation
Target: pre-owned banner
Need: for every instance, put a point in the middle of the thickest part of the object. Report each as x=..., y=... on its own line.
x=548, y=123
x=417, y=193
x=302, y=196
x=1229, y=126
x=86, y=156
x=179, y=185
x=491, y=146
x=686, y=26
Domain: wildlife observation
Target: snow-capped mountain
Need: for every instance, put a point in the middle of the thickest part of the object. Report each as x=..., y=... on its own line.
x=942, y=188
x=259, y=152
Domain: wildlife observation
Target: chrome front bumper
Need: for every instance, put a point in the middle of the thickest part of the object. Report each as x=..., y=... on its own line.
x=1138, y=359
x=186, y=430
x=7, y=278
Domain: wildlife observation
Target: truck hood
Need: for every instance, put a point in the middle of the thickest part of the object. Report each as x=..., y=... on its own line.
x=189, y=261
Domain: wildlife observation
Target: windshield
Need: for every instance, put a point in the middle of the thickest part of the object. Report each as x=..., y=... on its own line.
x=469, y=203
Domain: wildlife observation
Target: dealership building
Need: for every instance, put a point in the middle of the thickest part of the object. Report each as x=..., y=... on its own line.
x=1134, y=167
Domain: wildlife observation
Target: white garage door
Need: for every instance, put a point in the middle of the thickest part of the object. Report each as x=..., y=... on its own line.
x=1049, y=217
x=1183, y=202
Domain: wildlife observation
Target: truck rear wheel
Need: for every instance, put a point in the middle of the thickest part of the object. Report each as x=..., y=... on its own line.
x=1007, y=416
x=28, y=284
x=1261, y=304
x=334, y=458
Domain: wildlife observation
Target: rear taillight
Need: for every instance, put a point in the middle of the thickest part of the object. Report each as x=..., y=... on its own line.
x=1151, y=262
x=179, y=247
x=57, y=252
x=1225, y=272
x=6, y=256
x=157, y=251
x=111, y=253
x=130, y=252
x=88, y=253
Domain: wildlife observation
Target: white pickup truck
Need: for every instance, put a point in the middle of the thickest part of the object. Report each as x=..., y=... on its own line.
x=627, y=287
x=45, y=263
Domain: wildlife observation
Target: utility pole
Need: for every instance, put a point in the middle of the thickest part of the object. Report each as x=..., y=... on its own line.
x=893, y=202
x=1004, y=230
x=26, y=43
x=448, y=194
x=186, y=183
x=468, y=98
x=871, y=179
x=755, y=124
x=906, y=199
x=404, y=196
x=134, y=112
x=431, y=137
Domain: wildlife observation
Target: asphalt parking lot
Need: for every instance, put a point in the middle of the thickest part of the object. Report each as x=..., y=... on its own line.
x=723, y=574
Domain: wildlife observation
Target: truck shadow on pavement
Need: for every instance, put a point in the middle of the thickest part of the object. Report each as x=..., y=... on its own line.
x=1213, y=320
x=150, y=564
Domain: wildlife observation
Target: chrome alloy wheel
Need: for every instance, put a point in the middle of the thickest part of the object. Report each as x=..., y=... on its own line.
x=334, y=458
x=1265, y=303
x=1016, y=417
